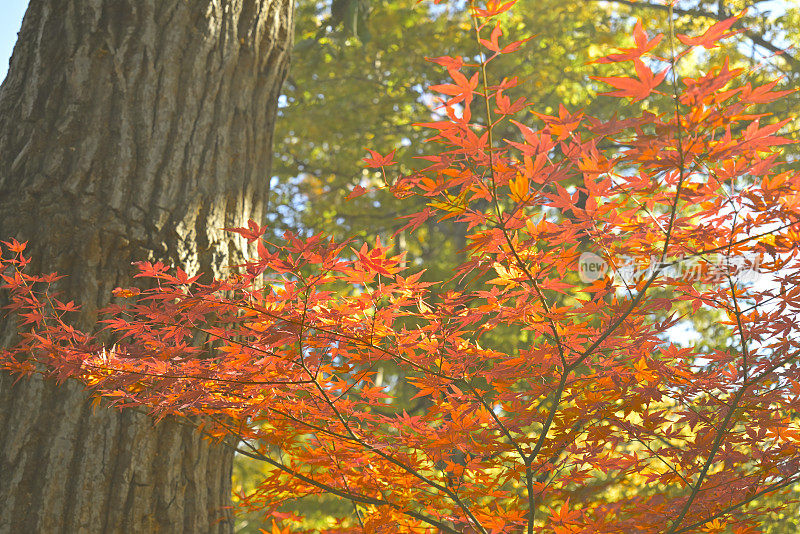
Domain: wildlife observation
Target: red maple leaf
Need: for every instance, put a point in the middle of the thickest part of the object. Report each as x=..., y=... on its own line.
x=643, y=45
x=635, y=88
x=710, y=39
x=375, y=160
x=251, y=233
x=356, y=192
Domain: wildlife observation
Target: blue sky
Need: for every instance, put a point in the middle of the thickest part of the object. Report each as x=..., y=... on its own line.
x=11, y=12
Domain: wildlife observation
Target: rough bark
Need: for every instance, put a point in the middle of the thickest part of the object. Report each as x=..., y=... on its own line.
x=130, y=130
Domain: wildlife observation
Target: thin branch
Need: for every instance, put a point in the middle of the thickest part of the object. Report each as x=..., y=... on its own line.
x=769, y=489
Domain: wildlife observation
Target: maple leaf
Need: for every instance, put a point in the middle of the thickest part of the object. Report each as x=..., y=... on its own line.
x=375, y=160
x=711, y=37
x=126, y=292
x=67, y=307
x=643, y=45
x=762, y=94
x=494, y=8
x=519, y=187
x=416, y=219
x=150, y=270
x=460, y=91
x=506, y=107
x=356, y=192
x=450, y=63
x=251, y=233
x=564, y=515
x=643, y=372
x=515, y=45
x=492, y=43
x=635, y=88
x=15, y=246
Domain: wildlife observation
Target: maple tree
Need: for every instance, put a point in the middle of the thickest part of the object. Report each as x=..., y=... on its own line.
x=281, y=357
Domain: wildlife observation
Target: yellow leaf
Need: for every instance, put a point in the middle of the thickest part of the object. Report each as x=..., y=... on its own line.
x=519, y=188
x=643, y=373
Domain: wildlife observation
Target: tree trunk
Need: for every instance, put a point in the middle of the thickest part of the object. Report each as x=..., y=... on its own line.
x=131, y=130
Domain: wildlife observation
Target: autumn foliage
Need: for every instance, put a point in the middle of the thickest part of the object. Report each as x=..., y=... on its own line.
x=596, y=419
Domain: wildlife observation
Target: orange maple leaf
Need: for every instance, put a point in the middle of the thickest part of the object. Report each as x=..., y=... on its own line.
x=635, y=88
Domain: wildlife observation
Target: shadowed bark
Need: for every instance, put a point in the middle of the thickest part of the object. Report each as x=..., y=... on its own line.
x=130, y=130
